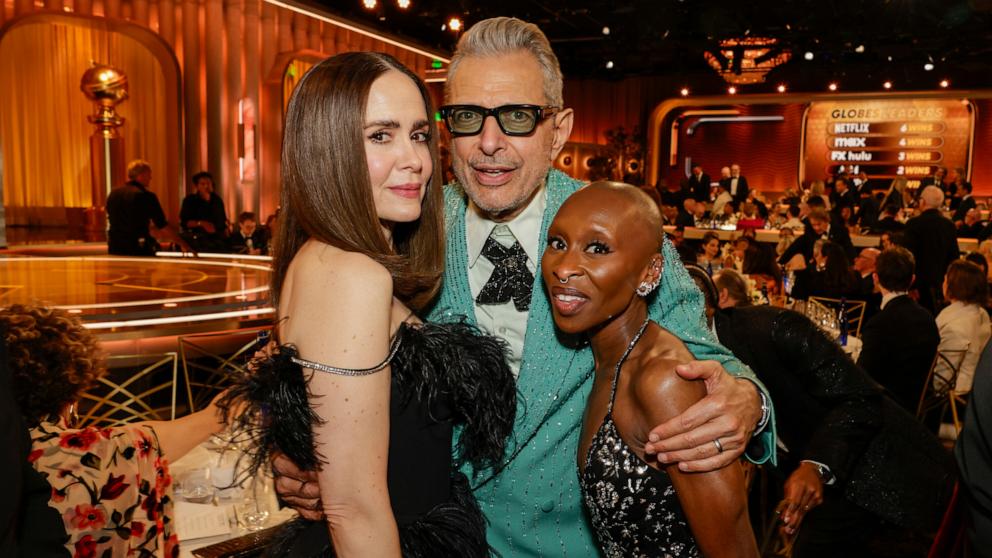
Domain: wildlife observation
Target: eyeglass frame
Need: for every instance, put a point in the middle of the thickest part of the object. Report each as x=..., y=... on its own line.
x=543, y=112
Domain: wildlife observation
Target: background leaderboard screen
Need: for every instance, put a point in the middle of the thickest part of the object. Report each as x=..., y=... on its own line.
x=887, y=138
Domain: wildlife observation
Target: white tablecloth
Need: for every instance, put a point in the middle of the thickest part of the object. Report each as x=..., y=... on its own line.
x=202, y=457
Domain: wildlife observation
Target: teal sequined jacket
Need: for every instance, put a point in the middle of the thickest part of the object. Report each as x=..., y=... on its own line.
x=532, y=500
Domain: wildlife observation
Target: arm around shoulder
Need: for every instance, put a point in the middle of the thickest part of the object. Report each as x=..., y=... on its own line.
x=715, y=502
x=338, y=313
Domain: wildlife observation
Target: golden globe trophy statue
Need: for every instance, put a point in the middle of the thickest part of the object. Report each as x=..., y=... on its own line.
x=107, y=87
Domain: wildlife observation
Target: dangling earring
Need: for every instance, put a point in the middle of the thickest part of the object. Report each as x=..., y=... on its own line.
x=72, y=417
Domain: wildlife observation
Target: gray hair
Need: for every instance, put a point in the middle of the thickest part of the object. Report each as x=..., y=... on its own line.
x=506, y=35
x=136, y=167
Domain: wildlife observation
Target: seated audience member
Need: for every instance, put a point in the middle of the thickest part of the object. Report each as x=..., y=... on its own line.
x=700, y=214
x=685, y=217
x=854, y=460
x=971, y=225
x=868, y=209
x=961, y=199
x=832, y=275
x=964, y=324
x=709, y=257
x=897, y=194
x=110, y=485
x=793, y=222
x=898, y=343
x=887, y=240
x=818, y=191
x=28, y=527
x=890, y=220
x=786, y=237
x=135, y=216
x=973, y=451
x=979, y=260
x=249, y=238
x=720, y=201
x=864, y=265
x=820, y=224
x=203, y=217
x=754, y=258
x=749, y=217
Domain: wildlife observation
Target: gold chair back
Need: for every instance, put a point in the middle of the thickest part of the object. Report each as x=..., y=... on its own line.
x=209, y=359
x=136, y=388
x=938, y=391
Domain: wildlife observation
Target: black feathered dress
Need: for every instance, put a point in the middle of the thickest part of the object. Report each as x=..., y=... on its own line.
x=443, y=376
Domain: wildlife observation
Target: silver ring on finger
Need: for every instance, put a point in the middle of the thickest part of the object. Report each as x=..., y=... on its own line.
x=719, y=446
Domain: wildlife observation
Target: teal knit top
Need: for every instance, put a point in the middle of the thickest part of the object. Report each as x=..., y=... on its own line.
x=532, y=500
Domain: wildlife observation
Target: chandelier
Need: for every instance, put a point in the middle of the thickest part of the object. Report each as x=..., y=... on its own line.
x=747, y=60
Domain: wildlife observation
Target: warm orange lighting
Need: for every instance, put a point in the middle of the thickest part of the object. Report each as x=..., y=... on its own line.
x=887, y=85
x=781, y=88
x=832, y=87
x=747, y=60
x=685, y=92
x=455, y=24
x=945, y=84
x=369, y=4
x=403, y=4
x=732, y=90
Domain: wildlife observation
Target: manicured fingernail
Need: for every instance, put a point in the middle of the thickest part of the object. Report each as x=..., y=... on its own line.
x=653, y=437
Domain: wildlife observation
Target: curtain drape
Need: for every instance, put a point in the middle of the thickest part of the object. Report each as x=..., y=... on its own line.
x=43, y=128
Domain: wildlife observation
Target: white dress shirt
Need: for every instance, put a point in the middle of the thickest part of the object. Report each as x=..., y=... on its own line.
x=503, y=320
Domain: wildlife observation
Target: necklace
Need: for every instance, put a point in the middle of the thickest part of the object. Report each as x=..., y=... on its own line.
x=626, y=353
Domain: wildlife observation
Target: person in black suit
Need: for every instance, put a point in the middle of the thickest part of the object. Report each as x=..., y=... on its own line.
x=736, y=184
x=699, y=184
x=819, y=224
x=936, y=180
x=888, y=222
x=974, y=456
x=965, y=202
x=932, y=239
x=842, y=196
x=900, y=342
x=972, y=225
x=870, y=462
x=686, y=216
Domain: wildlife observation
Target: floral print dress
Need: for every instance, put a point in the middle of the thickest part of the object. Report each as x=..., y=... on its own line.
x=112, y=488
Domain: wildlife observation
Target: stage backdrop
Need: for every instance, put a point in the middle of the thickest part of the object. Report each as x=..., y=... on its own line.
x=784, y=141
x=43, y=128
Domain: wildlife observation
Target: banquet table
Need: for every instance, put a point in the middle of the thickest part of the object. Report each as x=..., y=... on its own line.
x=771, y=235
x=217, y=518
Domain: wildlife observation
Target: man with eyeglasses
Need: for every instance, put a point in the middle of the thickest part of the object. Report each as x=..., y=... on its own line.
x=508, y=123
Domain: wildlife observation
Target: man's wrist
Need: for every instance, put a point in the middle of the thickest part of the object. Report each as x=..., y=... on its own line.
x=824, y=473
x=766, y=408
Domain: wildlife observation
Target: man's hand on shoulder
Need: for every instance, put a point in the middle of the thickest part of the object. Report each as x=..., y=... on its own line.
x=298, y=488
x=715, y=430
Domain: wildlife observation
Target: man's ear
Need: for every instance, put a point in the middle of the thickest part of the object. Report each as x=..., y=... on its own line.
x=723, y=298
x=563, y=121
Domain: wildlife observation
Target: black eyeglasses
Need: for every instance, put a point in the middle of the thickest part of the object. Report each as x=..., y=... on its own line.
x=514, y=120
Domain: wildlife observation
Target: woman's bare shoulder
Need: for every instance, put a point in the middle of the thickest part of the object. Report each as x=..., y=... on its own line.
x=657, y=388
x=319, y=266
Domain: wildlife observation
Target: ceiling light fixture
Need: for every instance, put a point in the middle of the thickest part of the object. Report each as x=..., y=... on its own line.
x=859, y=49
x=606, y=30
x=369, y=4
x=747, y=60
x=732, y=90
x=455, y=24
x=832, y=87
x=887, y=84
x=781, y=88
x=808, y=55
x=928, y=66
x=945, y=84
x=609, y=64
x=685, y=92
x=403, y=4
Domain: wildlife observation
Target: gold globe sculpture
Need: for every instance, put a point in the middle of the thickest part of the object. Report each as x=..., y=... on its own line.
x=107, y=87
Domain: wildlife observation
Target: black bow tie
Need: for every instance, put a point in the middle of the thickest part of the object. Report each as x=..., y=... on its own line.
x=510, y=279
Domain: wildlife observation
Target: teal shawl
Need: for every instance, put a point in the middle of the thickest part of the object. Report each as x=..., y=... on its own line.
x=532, y=501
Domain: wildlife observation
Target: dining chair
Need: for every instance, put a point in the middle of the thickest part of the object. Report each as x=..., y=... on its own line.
x=855, y=310
x=938, y=390
x=210, y=359
x=136, y=388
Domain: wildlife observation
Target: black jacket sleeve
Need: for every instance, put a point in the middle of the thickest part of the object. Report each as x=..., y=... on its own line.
x=852, y=400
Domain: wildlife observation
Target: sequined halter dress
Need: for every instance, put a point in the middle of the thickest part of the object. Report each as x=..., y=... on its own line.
x=633, y=507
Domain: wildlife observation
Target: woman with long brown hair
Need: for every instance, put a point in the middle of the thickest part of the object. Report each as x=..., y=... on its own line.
x=358, y=388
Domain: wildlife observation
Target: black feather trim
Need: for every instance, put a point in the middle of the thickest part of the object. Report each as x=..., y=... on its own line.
x=456, y=361
x=277, y=412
